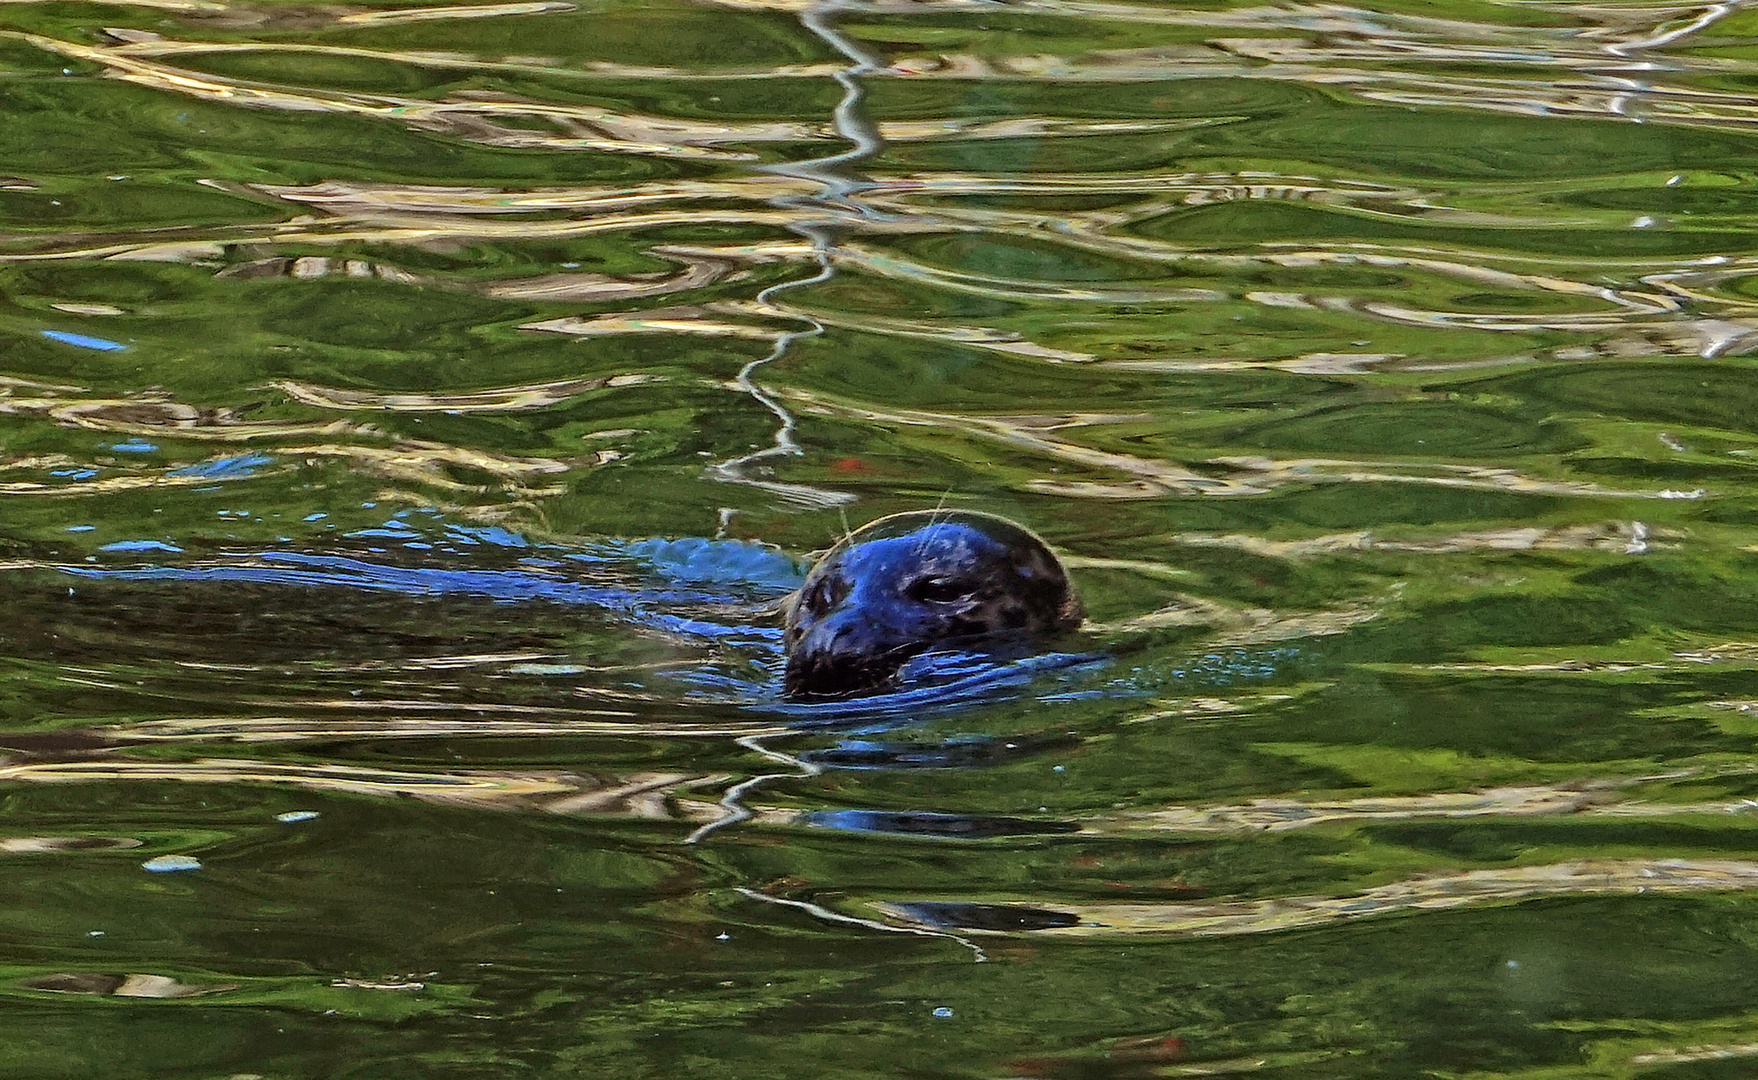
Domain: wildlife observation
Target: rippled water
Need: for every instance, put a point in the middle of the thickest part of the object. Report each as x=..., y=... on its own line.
x=410, y=417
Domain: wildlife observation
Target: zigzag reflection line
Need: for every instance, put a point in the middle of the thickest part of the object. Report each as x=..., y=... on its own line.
x=733, y=810
x=831, y=206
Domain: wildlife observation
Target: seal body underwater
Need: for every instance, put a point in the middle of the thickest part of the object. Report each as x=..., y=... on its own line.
x=902, y=585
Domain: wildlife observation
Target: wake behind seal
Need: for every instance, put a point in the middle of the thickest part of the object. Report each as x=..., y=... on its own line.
x=904, y=584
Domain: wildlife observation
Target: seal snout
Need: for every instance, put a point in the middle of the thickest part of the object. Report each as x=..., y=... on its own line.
x=908, y=583
x=844, y=655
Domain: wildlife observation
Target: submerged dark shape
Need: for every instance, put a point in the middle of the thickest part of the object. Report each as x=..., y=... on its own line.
x=907, y=583
x=1000, y=917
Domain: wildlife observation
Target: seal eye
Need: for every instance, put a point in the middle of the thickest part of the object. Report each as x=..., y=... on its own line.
x=938, y=590
x=829, y=591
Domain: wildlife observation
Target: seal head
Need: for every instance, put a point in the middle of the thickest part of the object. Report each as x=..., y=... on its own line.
x=907, y=583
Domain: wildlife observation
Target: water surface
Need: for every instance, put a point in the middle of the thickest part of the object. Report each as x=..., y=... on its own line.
x=411, y=416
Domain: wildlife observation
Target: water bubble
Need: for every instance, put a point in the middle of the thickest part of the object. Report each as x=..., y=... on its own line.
x=943, y=1013
x=293, y=817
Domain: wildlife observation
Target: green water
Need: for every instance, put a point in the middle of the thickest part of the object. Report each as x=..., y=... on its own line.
x=410, y=416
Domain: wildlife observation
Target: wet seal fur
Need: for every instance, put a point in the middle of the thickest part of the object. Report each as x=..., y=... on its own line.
x=902, y=585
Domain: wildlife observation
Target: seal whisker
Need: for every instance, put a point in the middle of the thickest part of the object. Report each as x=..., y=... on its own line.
x=933, y=523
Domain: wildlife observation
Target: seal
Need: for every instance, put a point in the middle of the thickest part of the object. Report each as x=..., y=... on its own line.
x=902, y=585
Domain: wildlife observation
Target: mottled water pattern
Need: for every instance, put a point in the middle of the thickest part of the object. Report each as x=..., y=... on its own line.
x=411, y=417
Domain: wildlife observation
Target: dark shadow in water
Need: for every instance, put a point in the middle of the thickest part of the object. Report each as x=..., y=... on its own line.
x=998, y=917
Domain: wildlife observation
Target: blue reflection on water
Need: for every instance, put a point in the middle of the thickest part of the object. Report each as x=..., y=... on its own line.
x=698, y=559
x=502, y=586
x=83, y=341
x=129, y=545
x=236, y=467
